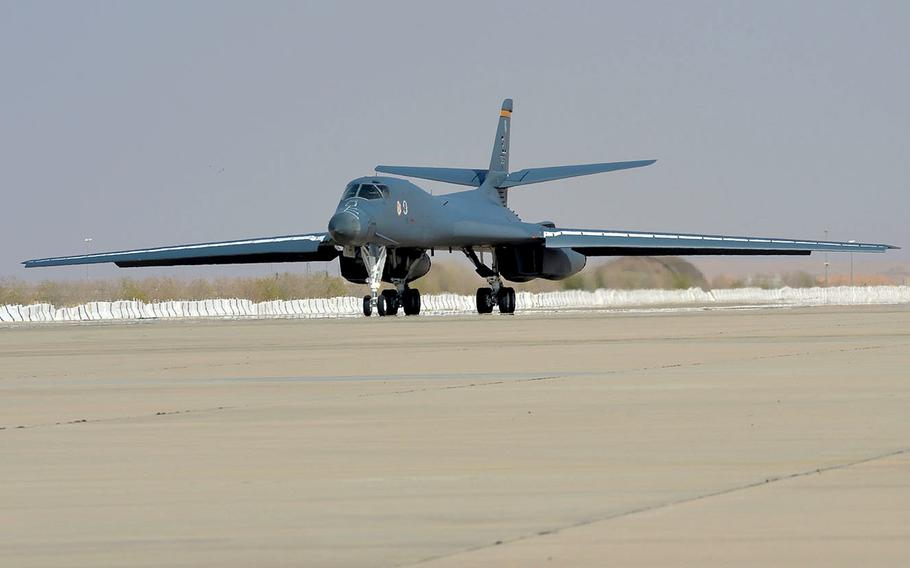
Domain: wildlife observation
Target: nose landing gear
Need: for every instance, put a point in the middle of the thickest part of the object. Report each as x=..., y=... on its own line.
x=387, y=303
x=374, y=260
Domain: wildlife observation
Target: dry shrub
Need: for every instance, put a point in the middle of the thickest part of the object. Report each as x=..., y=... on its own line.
x=446, y=276
x=284, y=286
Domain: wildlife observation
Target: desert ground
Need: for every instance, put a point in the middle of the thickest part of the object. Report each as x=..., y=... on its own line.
x=693, y=438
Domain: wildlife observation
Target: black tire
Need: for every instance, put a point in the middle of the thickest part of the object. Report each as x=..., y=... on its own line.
x=411, y=302
x=381, y=305
x=507, y=300
x=367, y=308
x=392, y=302
x=484, y=300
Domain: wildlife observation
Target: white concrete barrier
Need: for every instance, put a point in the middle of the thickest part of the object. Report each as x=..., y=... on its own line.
x=456, y=304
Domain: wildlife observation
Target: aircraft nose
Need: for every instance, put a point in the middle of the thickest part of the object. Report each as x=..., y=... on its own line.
x=346, y=228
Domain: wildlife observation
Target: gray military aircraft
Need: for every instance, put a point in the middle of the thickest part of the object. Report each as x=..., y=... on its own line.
x=384, y=228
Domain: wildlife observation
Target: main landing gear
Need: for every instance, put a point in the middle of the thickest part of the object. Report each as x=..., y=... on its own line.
x=389, y=301
x=502, y=296
x=496, y=294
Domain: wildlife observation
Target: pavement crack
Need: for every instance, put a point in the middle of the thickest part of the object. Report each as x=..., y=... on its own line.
x=664, y=366
x=683, y=501
x=442, y=388
x=116, y=418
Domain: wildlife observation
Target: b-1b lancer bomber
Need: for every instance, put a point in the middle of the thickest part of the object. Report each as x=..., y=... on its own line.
x=386, y=228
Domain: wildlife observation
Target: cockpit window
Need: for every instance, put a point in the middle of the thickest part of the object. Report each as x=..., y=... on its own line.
x=351, y=191
x=368, y=191
x=365, y=191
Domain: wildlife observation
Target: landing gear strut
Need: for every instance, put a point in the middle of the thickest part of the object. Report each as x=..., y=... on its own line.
x=496, y=294
x=374, y=261
x=389, y=301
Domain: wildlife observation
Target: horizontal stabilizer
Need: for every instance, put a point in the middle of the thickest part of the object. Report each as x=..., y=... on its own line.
x=459, y=176
x=537, y=175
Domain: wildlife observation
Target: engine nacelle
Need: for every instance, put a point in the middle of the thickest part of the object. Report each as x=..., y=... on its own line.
x=407, y=264
x=524, y=263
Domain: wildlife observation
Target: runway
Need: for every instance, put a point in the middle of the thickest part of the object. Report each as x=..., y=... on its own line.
x=759, y=437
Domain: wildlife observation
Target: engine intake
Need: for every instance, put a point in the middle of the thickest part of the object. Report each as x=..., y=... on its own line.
x=406, y=264
x=524, y=263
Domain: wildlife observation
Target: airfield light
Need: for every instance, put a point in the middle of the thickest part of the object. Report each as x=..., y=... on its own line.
x=851, y=263
x=88, y=248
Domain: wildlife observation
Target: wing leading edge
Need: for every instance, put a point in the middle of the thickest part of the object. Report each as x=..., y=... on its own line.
x=289, y=248
x=636, y=243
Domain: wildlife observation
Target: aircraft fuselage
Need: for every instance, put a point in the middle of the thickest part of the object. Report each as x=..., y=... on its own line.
x=402, y=214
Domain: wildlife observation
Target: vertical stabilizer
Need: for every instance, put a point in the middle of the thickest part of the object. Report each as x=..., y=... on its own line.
x=499, y=158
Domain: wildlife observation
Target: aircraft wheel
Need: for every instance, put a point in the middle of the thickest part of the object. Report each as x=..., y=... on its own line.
x=381, y=305
x=411, y=302
x=507, y=300
x=484, y=300
x=367, y=308
x=392, y=302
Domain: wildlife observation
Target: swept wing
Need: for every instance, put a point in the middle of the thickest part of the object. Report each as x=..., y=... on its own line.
x=288, y=248
x=640, y=243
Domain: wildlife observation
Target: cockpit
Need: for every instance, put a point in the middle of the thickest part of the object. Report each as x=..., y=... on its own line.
x=366, y=191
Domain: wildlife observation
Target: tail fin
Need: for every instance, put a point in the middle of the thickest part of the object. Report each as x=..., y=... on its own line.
x=500, y=178
x=499, y=157
x=499, y=162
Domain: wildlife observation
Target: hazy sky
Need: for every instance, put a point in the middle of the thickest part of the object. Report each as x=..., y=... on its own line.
x=170, y=122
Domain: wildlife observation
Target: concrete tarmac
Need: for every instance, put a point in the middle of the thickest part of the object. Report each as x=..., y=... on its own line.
x=702, y=438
